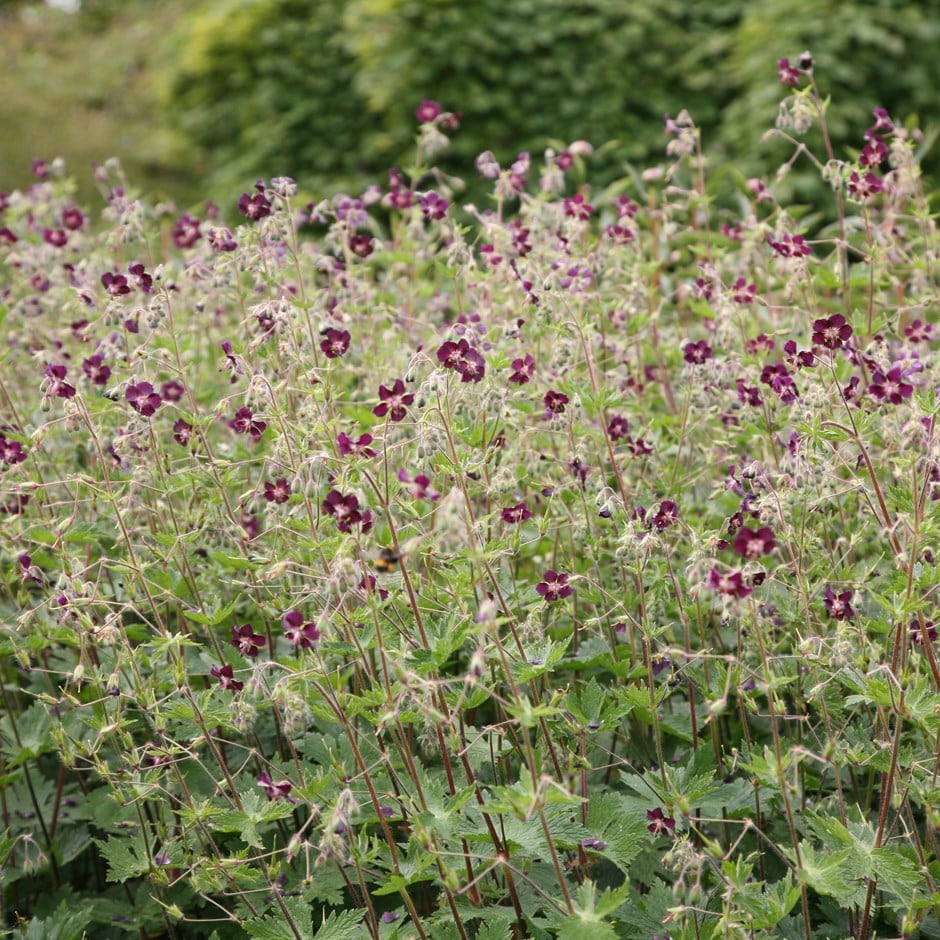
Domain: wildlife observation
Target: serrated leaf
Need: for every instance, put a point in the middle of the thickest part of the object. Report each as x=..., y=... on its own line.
x=341, y=926
x=275, y=926
x=126, y=856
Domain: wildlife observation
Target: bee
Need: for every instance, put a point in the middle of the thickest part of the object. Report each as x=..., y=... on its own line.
x=387, y=560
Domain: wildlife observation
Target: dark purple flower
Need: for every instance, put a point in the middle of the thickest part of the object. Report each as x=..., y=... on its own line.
x=141, y=278
x=918, y=631
x=618, y=427
x=279, y=790
x=742, y=292
x=182, y=432
x=731, y=585
x=72, y=219
x=515, y=514
x=554, y=587
x=255, y=206
x=221, y=239
x=420, y=486
x=463, y=359
x=186, y=231
x=862, y=188
x=918, y=331
x=304, y=635
x=831, y=332
x=11, y=452
x=57, y=385
x=555, y=402
x=143, y=399
x=433, y=206
x=598, y=845
x=522, y=370
x=278, y=491
x=427, y=111
x=96, y=370
x=838, y=606
x=336, y=343
x=787, y=74
x=750, y=544
x=696, y=353
x=358, y=448
x=246, y=641
x=389, y=917
x=226, y=676
x=577, y=208
x=748, y=394
x=393, y=401
x=659, y=822
x=57, y=237
x=244, y=423
x=115, y=284
x=346, y=511
x=666, y=515
x=172, y=391
x=891, y=387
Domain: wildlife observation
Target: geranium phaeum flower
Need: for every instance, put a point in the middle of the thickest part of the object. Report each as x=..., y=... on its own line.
x=554, y=587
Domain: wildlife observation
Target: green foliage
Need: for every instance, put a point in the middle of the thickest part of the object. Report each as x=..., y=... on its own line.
x=267, y=86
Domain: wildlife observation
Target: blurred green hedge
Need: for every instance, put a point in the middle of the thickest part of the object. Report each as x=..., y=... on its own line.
x=325, y=90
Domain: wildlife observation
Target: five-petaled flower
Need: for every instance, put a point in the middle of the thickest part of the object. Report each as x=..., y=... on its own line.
x=11, y=452
x=255, y=206
x=831, y=332
x=666, y=515
x=522, y=370
x=143, y=399
x=115, y=284
x=555, y=402
x=750, y=544
x=393, y=401
x=659, y=822
x=427, y=111
x=919, y=631
x=618, y=427
x=226, y=676
x=890, y=386
x=246, y=641
x=696, y=353
x=730, y=585
x=57, y=385
x=420, y=485
x=838, y=606
x=244, y=422
x=515, y=514
x=336, y=343
x=300, y=634
x=278, y=491
x=346, y=511
x=274, y=791
x=787, y=74
x=554, y=587
x=354, y=448
x=463, y=359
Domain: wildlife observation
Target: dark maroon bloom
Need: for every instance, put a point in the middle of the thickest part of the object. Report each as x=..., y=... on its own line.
x=659, y=822
x=787, y=74
x=918, y=632
x=577, y=208
x=874, y=153
x=838, y=606
x=742, y=292
x=659, y=664
x=221, y=239
x=798, y=358
x=891, y=387
x=463, y=359
x=790, y=246
x=918, y=331
x=141, y=278
x=72, y=219
x=393, y=401
x=750, y=544
x=515, y=514
x=358, y=448
x=57, y=384
x=226, y=676
x=255, y=206
x=748, y=394
x=11, y=452
x=361, y=245
x=278, y=491
x=778, y=377
x=420, y=486
x=433, y=206
x=731, y=585
x=831, y=332
x=369, y=586
x=346, y=511
x=246, y=641
x=172, y=391
x=300, y=634
x=666, y=515
x=182, y=432
x=279, y=790
x=336, y=343
x=250, y=524
x=427, y=111
x=57, y=237
x=862, y=188
x=143, y=399
x=7, y=237
x=186, y=231
x=522, y=370
x=639, y=447
x=618, y=427
x=696, y=353
x=96, y=370
x=554, y=587
x=555, y=402
x=29, y=571
x=244, y=423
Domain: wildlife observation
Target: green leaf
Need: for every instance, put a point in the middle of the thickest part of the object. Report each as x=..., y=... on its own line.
x=275, y=926
x=341, y=926
x=126, y=856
